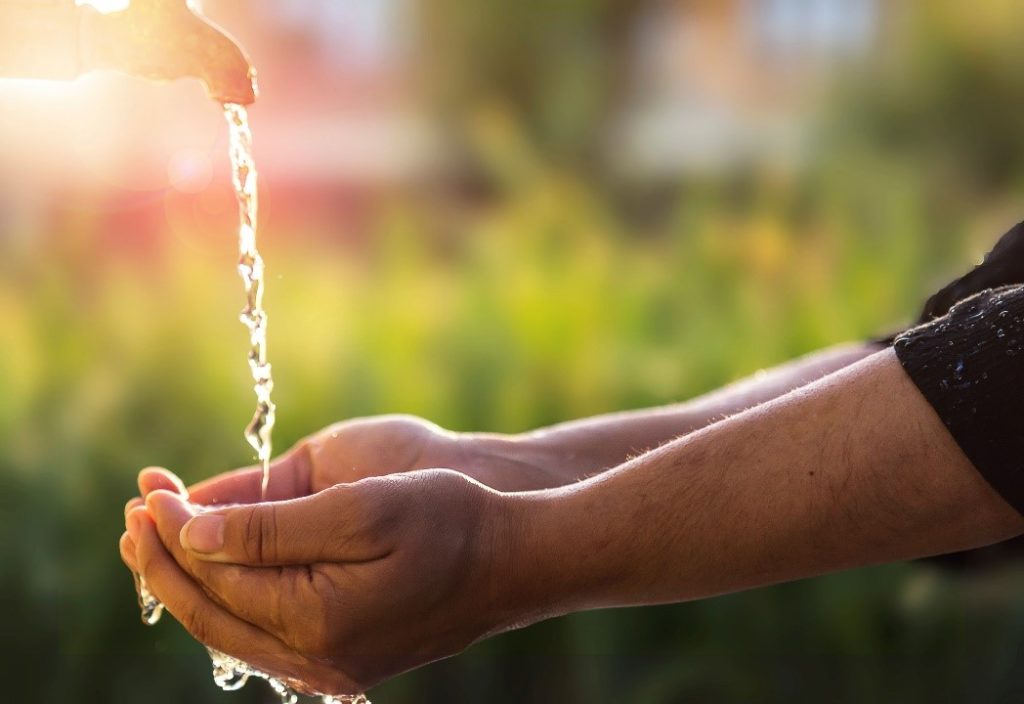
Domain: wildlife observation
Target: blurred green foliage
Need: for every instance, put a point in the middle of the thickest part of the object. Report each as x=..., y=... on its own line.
x=562, y=63
x=546, y=306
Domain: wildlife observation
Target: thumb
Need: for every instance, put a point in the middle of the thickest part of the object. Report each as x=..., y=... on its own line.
x=335, y=525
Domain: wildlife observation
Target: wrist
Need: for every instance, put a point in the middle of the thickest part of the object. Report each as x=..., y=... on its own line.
x=555, y=556
x=510, y=462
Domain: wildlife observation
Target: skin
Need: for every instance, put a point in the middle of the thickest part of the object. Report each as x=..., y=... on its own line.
x=542, y=459
x=354, y=583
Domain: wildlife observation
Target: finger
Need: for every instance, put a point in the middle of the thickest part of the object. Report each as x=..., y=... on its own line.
x=289, y=479
x=204, y=620
x=220, y=628
x=127, y=547
x=133, y=504
x=158, y=479
x=252, y=594
x=335, y=525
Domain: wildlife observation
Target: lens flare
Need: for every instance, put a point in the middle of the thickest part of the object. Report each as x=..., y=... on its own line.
x=190, y=171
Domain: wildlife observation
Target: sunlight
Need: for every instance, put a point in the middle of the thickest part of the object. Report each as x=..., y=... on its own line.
x=106, y=6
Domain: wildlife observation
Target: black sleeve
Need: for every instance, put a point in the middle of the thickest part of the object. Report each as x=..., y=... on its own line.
x=969, y=365
x=1003, y=266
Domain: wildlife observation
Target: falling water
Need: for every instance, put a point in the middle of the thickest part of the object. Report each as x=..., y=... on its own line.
x=231, y=673
x=250, y=267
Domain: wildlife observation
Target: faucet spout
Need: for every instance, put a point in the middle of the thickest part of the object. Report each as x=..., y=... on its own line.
x=165, y=40
x=157, y=39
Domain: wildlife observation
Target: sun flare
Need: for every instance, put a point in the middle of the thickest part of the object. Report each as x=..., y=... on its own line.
x=106, y=6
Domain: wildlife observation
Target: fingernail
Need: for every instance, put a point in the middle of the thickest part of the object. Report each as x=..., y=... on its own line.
x=203, y=534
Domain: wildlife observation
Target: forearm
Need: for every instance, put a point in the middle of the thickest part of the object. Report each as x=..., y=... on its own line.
x=587, y=447
x=851, y=471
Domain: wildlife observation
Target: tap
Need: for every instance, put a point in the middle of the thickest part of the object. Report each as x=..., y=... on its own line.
x=155, y=39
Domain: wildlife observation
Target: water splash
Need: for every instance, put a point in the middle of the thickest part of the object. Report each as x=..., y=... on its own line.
x=149, y=605
x=230, y=673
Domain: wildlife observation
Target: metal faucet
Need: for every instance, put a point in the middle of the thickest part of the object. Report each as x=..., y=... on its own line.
x=156, y=39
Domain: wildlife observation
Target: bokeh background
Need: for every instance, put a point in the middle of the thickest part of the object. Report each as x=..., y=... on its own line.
x=497, y=215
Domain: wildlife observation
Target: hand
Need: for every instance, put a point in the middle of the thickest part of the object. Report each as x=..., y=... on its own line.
x=353, y=450
x=339, y=590
x=165, y=40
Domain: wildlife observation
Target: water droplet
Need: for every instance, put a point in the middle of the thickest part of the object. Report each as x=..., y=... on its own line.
x=149, y=605
x=1000, y=333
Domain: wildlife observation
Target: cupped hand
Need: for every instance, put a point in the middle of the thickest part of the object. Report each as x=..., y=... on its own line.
x=338, y=590
x=368, y=447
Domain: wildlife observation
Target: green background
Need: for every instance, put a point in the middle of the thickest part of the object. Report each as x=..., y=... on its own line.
x=565, y=294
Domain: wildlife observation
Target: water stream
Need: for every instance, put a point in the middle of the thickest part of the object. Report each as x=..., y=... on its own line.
x=250, y=267
x=231, y=673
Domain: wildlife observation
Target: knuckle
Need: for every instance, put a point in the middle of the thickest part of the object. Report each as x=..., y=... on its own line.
x=251, y=535
x=268, y=534
x=259, y=534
